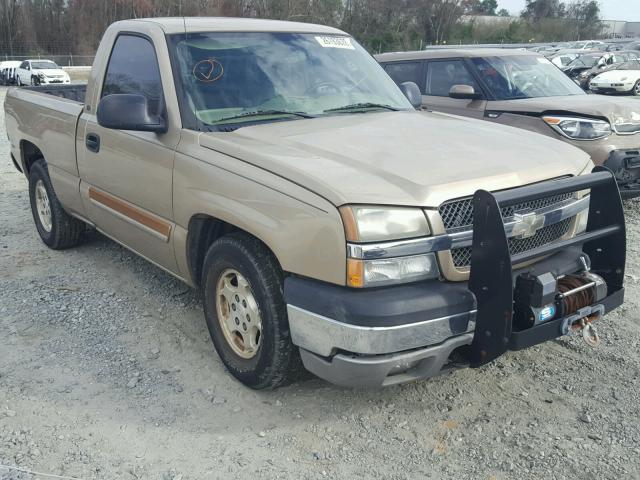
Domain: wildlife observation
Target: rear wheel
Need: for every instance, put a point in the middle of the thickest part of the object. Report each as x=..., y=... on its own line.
x=246, y=314
x=57, y=229
x=18, y=82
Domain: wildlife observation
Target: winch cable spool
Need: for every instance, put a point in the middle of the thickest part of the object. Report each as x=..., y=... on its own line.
x=579, y=299
x=573, y=302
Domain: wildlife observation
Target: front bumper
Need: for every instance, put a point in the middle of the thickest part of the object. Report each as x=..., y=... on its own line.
x=610, y=88
x=384, y=336
x=54, y=81
x=625, y=165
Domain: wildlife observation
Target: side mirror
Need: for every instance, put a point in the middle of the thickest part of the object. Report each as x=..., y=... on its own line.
x=464, y=92
x=129, y=112
x=412, y=92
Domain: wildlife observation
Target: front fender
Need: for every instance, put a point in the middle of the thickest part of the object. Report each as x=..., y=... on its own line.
x=303, y=231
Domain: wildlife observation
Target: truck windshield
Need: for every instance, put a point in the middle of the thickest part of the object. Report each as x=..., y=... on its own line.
x=524, y=76
x=230, y=78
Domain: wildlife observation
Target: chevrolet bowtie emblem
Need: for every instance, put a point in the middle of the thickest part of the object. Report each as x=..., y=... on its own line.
x=527, y=224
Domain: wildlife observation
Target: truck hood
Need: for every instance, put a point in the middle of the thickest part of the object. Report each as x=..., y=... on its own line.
x=619, y=111
x=399, y=158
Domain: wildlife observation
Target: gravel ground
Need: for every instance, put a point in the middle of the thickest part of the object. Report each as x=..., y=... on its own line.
x=107, y=371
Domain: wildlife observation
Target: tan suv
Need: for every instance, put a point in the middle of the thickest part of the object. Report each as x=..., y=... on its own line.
x=276, y=167
x=525, y=90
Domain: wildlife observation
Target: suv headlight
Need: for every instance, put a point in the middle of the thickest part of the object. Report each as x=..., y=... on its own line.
x=367, y=225
x=579, y=128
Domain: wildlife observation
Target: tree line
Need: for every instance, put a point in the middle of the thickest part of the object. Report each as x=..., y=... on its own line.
x=29, y=27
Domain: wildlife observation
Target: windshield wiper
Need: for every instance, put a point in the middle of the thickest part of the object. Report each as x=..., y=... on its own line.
x=259, y=113
x=362, y=106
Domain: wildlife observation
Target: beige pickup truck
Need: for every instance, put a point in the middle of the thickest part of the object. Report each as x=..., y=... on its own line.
x=278, y=168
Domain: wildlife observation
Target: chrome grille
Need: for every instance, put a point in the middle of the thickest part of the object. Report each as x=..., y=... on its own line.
x=544, y=236
x=458, y=214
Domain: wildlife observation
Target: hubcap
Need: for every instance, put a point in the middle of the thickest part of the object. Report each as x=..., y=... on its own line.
x=637, y=89
x=42, y=206
x=238, y=314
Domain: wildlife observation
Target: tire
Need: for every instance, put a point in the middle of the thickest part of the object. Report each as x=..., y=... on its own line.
x=636, y=89
x=18, y=83
x=58, y=230
x=33, y=82
x=275, y=360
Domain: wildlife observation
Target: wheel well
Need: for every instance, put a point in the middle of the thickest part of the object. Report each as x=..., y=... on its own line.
x=30, y=153
x=203, y=231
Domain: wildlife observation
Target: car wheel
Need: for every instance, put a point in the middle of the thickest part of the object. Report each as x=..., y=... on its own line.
x=246, y=314
x=18, y=81
x=636, y=88
x=57, y=229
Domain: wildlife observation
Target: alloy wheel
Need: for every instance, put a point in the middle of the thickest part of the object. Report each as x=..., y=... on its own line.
x=238, y=314
x=43, y=206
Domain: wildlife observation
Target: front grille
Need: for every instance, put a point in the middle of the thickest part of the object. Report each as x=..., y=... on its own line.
x=544, y=236
x=457, y=215
x=627, y=128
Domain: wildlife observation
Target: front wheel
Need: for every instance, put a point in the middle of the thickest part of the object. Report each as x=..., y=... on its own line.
x=636, y=88
x=57, y=229
x=246, y=314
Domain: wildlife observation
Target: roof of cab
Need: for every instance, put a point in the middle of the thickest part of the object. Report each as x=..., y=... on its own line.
x=172, y=25
x=452, y=53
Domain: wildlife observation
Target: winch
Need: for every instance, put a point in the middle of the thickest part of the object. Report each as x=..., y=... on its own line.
x=542, y=298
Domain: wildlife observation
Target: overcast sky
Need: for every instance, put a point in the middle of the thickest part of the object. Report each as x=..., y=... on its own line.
x=628, y=10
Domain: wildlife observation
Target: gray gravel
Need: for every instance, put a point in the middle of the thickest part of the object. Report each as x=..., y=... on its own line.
x=107, y=371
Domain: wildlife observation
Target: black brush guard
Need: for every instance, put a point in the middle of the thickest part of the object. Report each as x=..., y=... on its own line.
x=491, y=279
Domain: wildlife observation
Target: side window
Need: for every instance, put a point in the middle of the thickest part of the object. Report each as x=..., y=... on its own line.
x=133, y=68
x=444, y=74
x=404, y=71
x=23, y=65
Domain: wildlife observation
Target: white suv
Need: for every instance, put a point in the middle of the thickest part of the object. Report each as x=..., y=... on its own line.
x=40, y=72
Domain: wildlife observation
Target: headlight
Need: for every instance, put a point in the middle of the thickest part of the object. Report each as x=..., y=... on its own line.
x=377, y=224
x=373, y=224
x=579, y=128
x=388, y=271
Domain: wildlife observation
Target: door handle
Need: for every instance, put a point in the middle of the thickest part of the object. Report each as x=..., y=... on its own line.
x=93, y=142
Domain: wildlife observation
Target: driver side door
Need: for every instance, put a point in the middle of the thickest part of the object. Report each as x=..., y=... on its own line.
x=126, y=176
x=440, y=76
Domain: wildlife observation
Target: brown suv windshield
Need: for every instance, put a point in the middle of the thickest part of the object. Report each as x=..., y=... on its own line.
x=523, y=76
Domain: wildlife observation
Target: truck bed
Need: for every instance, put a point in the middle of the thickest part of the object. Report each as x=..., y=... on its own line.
x=45, y=119
x=75, y=92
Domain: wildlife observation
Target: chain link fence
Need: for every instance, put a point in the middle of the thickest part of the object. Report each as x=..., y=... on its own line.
x=62, y=60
